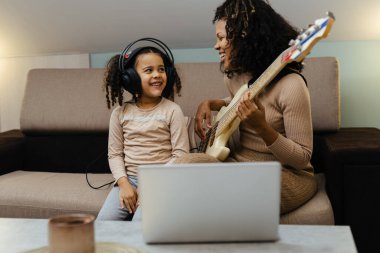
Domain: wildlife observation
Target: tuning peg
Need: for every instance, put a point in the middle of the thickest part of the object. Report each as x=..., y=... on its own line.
x=302, y=37
x=308, y=32
x=292, y=42
x=302, y=30
x=317, y=27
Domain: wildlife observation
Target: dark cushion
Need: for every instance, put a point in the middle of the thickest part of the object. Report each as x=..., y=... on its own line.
x=67, y=153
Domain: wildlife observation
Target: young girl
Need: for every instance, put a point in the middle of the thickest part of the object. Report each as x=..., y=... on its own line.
x=149, y=129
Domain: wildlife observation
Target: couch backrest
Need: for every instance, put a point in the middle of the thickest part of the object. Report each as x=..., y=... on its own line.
x=204, y=80
x=73, y=100
x=322, y=75
x=64, y=100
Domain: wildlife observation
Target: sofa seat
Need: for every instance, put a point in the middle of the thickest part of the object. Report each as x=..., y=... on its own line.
x=317, y=211
x=45, y=194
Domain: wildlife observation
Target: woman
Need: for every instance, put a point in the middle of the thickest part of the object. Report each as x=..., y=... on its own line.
x=277, y=124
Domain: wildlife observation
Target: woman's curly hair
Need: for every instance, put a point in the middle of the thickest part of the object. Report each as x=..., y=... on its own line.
x=257, y=35
x=114, y=83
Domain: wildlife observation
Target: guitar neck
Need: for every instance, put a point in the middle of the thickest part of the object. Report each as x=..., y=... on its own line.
x=265, y=78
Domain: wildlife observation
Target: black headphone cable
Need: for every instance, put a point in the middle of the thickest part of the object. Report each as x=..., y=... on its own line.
x=87, y=167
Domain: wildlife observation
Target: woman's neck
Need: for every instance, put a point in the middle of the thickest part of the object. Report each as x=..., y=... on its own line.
x=147, y=103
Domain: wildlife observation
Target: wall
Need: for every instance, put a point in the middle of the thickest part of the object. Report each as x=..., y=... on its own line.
x=360, y=80
x=180, y=56
x=360, y=75
x=13, y=74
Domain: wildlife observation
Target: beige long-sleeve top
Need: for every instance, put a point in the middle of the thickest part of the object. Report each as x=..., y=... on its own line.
x=288, y=111
x=145, y=136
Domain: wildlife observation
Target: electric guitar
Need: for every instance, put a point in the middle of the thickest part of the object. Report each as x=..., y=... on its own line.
x=227, y=121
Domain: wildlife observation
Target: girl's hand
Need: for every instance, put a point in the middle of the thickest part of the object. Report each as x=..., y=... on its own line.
x=203, y=113
x=252, y=112
x=138, y=198
x=128, y=195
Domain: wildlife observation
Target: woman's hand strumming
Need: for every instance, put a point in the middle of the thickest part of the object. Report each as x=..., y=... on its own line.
x=203, y=113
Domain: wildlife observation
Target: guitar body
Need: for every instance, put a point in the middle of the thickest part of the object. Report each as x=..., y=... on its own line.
x=218, y=148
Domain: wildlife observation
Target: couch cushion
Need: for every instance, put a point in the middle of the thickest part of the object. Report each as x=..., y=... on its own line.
x=70, y=100
x=45, y=194
x=316, y=211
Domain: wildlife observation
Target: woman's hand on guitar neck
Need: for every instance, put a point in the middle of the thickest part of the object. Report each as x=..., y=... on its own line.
x=204, y=115
x=253, y=113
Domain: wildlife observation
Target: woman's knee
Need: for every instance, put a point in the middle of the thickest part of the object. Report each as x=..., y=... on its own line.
x=196, y=158
x=296, y=190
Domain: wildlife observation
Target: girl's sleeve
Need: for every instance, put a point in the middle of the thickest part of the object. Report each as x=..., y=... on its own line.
x=179, y=134
x=116, y=146
x=295, y=147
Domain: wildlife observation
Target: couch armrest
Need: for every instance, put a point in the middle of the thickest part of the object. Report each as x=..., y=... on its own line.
x=11, y=151
x=350, y=159
x=340, y=152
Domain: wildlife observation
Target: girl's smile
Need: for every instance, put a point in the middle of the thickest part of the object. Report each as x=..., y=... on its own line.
x=151, y=69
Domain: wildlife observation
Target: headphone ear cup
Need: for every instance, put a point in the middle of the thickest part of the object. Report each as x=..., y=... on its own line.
x=170, y=74
x=131, y=81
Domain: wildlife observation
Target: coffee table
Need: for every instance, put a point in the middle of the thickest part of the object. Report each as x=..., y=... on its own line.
x=22, y=235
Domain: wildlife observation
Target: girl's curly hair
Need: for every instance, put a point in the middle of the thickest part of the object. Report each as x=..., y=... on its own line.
x=114, y=83
x=257, y=35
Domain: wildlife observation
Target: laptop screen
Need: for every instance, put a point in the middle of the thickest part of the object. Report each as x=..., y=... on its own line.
x=210, y=202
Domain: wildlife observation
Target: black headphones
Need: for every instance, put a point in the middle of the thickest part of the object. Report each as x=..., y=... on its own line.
x=131, y=79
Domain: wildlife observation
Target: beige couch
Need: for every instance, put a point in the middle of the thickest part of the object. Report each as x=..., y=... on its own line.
x=64, y=124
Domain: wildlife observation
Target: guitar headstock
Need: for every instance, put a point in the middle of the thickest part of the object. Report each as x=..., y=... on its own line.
x=302, y=45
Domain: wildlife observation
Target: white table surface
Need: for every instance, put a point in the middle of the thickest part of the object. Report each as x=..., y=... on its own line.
x=21, y=235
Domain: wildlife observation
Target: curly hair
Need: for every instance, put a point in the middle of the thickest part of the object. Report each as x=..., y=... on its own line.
x=257, y=35
x=114, y=83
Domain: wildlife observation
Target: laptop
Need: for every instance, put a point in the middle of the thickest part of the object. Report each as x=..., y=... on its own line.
x=203, y=202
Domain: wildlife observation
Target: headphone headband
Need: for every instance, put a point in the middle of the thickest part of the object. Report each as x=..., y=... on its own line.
x=159, y=43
